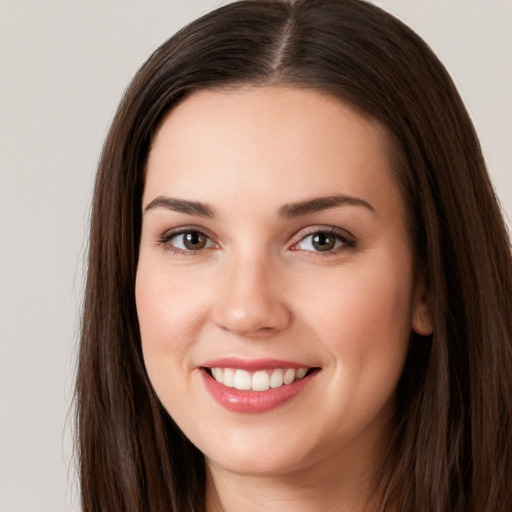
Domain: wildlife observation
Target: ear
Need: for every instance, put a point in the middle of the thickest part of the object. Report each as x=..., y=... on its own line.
x=422, y=322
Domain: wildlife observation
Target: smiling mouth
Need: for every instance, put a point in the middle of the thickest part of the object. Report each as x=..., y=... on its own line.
x=261, y=380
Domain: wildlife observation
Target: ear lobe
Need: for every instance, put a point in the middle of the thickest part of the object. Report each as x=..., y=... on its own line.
x=422, y=321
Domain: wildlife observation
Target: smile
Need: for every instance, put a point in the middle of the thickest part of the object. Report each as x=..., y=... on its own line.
x=261, y=380
x=255, y=386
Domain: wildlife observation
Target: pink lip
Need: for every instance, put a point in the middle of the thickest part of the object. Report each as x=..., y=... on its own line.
x=252, y=401
x=251, y=365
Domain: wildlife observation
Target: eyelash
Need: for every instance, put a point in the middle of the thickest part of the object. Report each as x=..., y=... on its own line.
x=346, y=241
x=168, y=236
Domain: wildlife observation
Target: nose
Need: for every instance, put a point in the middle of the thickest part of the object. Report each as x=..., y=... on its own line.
x=251, y=299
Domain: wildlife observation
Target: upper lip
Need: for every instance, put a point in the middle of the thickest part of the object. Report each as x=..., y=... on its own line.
x=252, y=364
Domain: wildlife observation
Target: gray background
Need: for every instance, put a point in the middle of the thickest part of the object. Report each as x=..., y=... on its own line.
x=63, y=67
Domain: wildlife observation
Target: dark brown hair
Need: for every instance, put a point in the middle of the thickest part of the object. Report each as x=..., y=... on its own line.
x=452, y=447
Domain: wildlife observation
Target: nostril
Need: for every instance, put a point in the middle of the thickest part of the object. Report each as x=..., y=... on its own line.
x=250, y=311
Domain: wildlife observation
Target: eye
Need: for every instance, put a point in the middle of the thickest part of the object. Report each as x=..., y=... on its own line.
x=187, y=241
x=323, y=241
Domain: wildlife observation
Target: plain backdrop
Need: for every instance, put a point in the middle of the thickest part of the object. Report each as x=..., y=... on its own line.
x=63, y=67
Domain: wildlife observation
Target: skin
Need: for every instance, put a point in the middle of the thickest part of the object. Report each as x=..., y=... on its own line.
x=260, y=289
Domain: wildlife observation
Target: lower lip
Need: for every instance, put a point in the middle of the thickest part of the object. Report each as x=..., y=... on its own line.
x=253, y=401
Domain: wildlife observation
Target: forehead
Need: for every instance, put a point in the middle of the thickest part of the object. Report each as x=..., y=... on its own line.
x=261, y=142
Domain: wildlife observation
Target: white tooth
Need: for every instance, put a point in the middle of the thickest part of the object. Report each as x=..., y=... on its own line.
x=260, y=381
x=242, y=380
x=276, y=379
x=289, y=376
x=229, y=377
x=301, y=373
x=218, y=374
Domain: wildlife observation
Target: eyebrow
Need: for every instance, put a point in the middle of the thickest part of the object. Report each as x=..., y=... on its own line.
x=288, y=211
x=182, y=206
x=318, y=204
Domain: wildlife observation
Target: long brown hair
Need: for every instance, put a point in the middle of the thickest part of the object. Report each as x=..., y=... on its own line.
x=452, y=447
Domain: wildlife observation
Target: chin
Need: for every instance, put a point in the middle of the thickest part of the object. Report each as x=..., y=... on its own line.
x=263, y=464
x=259, y=455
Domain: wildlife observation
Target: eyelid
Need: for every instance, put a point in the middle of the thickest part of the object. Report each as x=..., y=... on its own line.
x=165, y=238
x=348, y=239
x=323, y=228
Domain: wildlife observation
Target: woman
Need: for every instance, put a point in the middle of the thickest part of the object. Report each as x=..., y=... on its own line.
x=299, y=286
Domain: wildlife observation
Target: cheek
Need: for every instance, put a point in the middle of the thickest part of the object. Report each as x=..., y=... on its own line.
x=170, y=313
x=363, y=315
x=169, y=304
x=363, y=322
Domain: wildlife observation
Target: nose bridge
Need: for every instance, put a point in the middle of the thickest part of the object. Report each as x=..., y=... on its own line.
x=250, y=302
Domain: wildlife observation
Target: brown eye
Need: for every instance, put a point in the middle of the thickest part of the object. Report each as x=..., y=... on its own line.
x=323, y=241
x=188, y=241
x=194, y=240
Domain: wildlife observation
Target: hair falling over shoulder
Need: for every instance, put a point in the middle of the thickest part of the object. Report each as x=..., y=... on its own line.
x=452, y=446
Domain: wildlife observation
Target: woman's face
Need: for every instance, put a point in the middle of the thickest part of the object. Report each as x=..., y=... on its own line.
x=275, y=258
